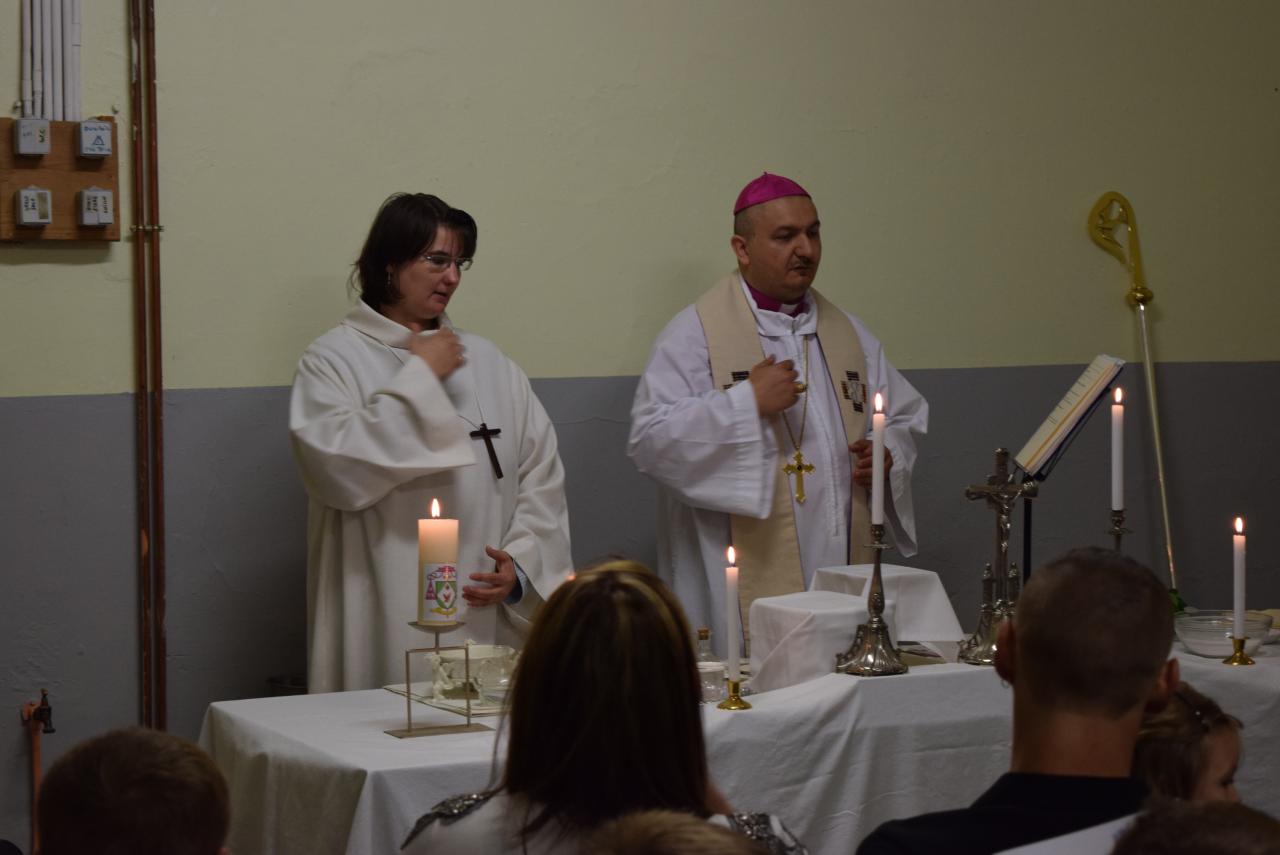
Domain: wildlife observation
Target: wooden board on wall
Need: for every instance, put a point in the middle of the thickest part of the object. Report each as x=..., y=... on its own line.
x=64, y=173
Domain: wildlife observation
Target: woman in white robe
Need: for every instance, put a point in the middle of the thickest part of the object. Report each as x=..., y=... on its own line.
x=382, y=415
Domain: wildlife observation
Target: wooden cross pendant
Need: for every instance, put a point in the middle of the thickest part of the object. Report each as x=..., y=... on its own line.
x=485, y=432
x=799, y=469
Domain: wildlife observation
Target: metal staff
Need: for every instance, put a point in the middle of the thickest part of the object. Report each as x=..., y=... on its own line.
x=1112, y=210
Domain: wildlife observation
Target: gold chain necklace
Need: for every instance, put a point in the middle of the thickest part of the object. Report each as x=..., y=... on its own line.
x=798, y=467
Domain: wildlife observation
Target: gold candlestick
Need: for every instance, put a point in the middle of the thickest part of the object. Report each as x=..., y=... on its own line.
x=734, y=701
x=1238, y=656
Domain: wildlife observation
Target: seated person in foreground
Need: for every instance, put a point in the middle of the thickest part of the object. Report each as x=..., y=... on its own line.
x=604, y=721
x=1200, y=828
x=668, y=832
x=1087, y=655
x=1189, y=750
x=134, y=791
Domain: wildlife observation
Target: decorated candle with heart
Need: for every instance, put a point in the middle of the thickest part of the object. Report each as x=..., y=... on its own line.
x=437, y=568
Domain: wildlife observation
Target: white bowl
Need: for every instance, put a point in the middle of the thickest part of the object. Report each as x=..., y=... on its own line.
x=1208, y=633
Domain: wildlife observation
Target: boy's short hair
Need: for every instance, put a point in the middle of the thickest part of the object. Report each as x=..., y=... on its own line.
x=1094, y=628
x=135, y=791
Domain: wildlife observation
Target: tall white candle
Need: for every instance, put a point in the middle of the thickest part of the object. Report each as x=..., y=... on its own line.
x=877, y=462
x=1237, y=566
x=734, y=632
x=1117, y=451
x=437, y=545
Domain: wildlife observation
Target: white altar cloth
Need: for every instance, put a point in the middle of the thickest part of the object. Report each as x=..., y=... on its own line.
x=924, y=610
x=795, y=637
x=834, y=757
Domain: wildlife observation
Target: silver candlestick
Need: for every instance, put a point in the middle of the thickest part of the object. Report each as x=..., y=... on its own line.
x=1117, y=530
x=872, y=653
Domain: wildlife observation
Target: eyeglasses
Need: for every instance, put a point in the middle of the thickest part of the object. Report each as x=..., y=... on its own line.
x=440, y=262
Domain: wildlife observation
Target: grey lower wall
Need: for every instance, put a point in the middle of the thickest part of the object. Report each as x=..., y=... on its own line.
x=236, y=523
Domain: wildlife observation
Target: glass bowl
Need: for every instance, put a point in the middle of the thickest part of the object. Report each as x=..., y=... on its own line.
x=1208, y=632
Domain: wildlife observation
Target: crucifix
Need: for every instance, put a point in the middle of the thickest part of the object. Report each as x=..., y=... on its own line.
x=798, y=469
x=486, y=433
x=1001, y=493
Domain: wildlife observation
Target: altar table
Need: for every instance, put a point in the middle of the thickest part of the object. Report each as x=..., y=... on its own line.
x=834, y=757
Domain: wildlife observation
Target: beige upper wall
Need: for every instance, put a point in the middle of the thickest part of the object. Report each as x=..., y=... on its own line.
x=953, y=149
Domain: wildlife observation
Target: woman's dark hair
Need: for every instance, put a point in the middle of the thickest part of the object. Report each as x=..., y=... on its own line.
x=605, y=716
x=406, y=225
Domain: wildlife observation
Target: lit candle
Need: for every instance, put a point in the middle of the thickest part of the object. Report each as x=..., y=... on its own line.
x=1117, y=451
x=1237, y=553
x=877, y=462
x=733, y=632
x=437, y=570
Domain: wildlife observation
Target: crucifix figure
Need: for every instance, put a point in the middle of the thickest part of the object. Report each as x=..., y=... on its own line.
x=798, y=469
x=486, y=433
x=1001, y=493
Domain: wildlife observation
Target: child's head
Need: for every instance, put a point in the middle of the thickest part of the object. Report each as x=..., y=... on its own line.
x=1189, y=750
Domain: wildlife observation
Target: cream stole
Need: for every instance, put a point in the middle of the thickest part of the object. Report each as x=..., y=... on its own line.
x=769, y=550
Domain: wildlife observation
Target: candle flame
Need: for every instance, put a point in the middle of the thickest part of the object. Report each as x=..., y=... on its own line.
x=733, y=556
x=879, y=403
x=435, y=508
x=1119, y=395
x=1239, y=525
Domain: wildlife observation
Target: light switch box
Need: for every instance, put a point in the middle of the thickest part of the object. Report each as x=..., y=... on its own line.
x=95, y=138
x=31, y=137
x=34, y=206
x=95, y=207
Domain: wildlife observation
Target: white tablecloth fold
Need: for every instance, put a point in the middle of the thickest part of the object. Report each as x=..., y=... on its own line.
x=795, y=637
x=924, y=610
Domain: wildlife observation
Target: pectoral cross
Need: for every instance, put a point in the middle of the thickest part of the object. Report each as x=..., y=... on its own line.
x=798, y=469
x=485, y=432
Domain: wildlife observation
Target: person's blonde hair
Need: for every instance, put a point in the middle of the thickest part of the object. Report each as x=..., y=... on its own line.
x=1170, y=753
x=666, y=832
x=605, y=714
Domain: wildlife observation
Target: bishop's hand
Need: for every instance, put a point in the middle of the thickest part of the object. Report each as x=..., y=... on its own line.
x=494, y=587
x=774, y=384
x=861, y=451
x=443, y=351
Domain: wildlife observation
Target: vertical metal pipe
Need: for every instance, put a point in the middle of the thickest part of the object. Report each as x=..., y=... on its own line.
x=157, y=364
x=1149, y=372
x=142, y=397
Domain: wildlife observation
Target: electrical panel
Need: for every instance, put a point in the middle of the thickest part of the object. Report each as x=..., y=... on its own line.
x=59, y=180
x=95, y=138
x=33, y=207
x=31, y=137
x=95, y=207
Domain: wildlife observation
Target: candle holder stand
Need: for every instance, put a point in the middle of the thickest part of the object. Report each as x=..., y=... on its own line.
x=1238, y=656
x=734, y=701
x=1117, y=530
x=409, y=731
x=872, y=653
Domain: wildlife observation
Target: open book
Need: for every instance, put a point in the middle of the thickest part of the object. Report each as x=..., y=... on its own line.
x=1041, y=452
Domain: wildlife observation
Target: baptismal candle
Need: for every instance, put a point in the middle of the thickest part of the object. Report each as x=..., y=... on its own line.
x=731, y=614
x=1237, y=566
x=1117, y=451
x=437, y=550
x=877, y=462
